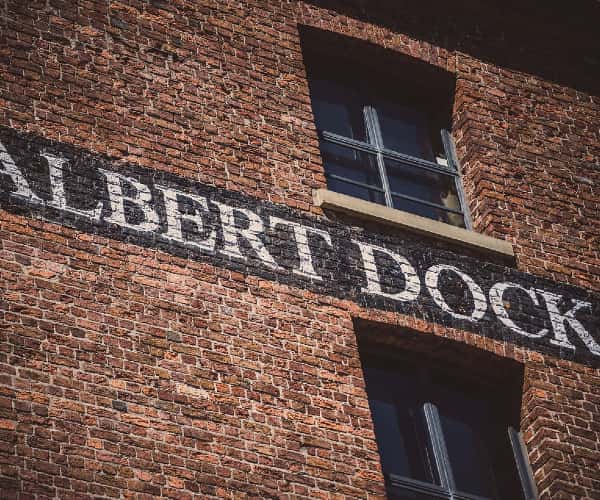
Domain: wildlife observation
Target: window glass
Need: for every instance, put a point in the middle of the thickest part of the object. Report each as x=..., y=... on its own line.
x=476, y=440
x=475, y=430
x=352, y=172
x=468, y=455
x=427, y=211
x=337, y=110
x=426, y=185
x=363, y=111
x=470, y=420
x=340, y=186
x=405, y=130
x=413, y=495
x=399, y=426
x=423, y=184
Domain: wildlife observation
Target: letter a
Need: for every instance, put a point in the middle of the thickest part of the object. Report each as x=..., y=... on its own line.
x=8, y=167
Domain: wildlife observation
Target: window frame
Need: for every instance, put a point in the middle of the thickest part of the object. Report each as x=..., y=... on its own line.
x=377, y=148
x=428, y=90
x=447, y=488
x=440, y=459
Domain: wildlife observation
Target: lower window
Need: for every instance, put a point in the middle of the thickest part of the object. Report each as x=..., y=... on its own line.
x=444, y=433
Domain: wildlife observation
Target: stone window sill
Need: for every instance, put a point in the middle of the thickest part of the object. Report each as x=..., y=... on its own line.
x=403, y=220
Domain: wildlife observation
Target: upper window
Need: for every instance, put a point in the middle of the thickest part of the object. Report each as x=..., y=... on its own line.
x=444, y=434
x=383, y=139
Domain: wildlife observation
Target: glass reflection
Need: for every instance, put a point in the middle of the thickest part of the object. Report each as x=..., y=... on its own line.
x=345, y=165
x=405, y=130
x=338, y=110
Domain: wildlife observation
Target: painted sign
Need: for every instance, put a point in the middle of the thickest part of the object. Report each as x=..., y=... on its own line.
x=92, y=193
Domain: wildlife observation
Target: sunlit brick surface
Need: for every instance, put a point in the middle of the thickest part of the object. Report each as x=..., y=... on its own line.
x=127, y=372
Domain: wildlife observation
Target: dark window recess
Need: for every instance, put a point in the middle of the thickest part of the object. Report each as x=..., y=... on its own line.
x=383, y=138
x=444, y=434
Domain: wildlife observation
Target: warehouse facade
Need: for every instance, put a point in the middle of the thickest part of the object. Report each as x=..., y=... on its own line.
x=299, y=250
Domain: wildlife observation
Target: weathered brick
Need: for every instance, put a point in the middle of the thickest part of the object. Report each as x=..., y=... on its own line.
x=130, y=371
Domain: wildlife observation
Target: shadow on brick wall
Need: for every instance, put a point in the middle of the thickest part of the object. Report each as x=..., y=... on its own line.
x=555, y=41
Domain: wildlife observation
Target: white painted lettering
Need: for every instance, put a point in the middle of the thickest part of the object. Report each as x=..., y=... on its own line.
x=9, y=167
x=141, y=200
x=479, y=300
x=412, y=283
x=558, y=320
x=306, y=267
x=57, y=185
x=175, y=218
x=497, y=302
x=232, y=234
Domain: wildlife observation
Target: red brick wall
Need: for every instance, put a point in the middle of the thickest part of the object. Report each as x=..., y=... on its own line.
x=127, y=371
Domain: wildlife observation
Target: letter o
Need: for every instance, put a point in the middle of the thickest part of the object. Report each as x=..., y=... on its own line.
x=479, y=299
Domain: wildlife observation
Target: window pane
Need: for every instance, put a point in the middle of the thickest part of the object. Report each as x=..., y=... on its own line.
x=423, y=184
x=337, y=109
x=350, y=163
x=344, y=164
x=474, y=417
x=469, y=457
x=476, y=436
x=438, y=214
x=340, y=186
x=398, y=494
x=405, y=130
x=391, y=442
x=398, y=425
